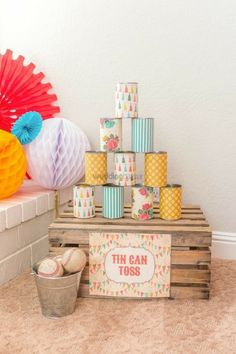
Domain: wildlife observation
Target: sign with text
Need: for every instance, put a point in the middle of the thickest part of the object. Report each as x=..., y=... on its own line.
x=129, y=265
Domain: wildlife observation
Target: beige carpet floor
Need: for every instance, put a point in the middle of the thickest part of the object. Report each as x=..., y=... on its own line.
x=101, y=326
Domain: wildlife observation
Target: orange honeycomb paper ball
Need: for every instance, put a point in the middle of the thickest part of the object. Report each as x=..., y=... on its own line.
x=12, y=164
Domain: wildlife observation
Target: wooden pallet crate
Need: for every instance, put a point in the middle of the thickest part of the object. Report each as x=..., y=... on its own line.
x=190, y=249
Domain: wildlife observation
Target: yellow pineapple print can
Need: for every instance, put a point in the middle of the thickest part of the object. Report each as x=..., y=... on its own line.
x=170, y=202
x=95, y=167
x=155, y=169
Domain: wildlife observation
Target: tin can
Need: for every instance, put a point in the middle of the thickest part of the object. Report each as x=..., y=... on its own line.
x=170, y=202
x=83, y=201
x=142, y=202
x=155, y=169
x=124, y=174
x=142, y=134
x=113, y=201
x=95, y=167
x=110, y=134
x=126, y=97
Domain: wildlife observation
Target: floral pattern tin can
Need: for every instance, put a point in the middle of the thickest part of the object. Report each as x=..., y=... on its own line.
x=83, y=201
x=155, y=169
x=113, y=201
x=171, y=202
x=125, y=169
x=142, y=134
x=126, y=97
x=110, y=134
x=142, y=202
x=96, y=167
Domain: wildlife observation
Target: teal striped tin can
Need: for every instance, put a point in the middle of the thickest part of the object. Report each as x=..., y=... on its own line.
x=112, y=201
x=142, y=134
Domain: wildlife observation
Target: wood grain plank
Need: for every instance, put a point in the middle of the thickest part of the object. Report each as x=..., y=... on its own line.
x=177, y=275
x=147, y=228
x=128, y=216
x=190, y=256
x=156, y=206
x=190, y=275
x=128, y=221
x=75, y=236
x=127, y=211
x=180, y=292
x=183, y=257
x=177, y=292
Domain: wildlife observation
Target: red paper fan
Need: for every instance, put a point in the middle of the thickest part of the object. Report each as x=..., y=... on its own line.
x=21, y=91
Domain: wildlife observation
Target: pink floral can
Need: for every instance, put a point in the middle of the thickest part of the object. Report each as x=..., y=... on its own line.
x=110, y=134
x=142, y=202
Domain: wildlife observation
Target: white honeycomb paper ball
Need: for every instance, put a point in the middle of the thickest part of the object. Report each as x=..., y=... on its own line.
x=56, y=157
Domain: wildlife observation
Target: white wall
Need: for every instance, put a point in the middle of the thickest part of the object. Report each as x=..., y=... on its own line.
x=183, y=54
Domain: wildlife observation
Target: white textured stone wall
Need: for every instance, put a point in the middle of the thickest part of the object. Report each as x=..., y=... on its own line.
x=24, y=220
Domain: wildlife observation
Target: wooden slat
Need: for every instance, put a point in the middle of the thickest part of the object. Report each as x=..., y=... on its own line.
x=128, y=221
x=127, y=211
x=147, y=228
x=190, y=275
x=195, y=257
x=156, y=206
x=190, y=256
x=75, y=236
x=64, y=216
x=177, y=292
x=189, y=292
x=177, y=275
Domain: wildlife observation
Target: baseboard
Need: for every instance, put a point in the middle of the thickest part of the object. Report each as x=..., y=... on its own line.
x=224, y=245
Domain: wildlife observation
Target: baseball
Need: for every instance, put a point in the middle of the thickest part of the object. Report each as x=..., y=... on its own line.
x=50, y=267
x=74, y=260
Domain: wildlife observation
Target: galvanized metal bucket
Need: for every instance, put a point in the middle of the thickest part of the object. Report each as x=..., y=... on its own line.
x=57, y=295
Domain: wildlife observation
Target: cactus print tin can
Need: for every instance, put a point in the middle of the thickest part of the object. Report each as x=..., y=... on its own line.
x=124, y=174
x=170, y=202
x=142, y=134
x=83, y=201
x=126, y=97
x=95, y=167
x=155, y=169
x=142, y=202
x=110, y=134
x=113, y=201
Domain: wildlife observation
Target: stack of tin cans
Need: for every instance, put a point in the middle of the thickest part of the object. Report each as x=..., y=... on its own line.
x=155, y=167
